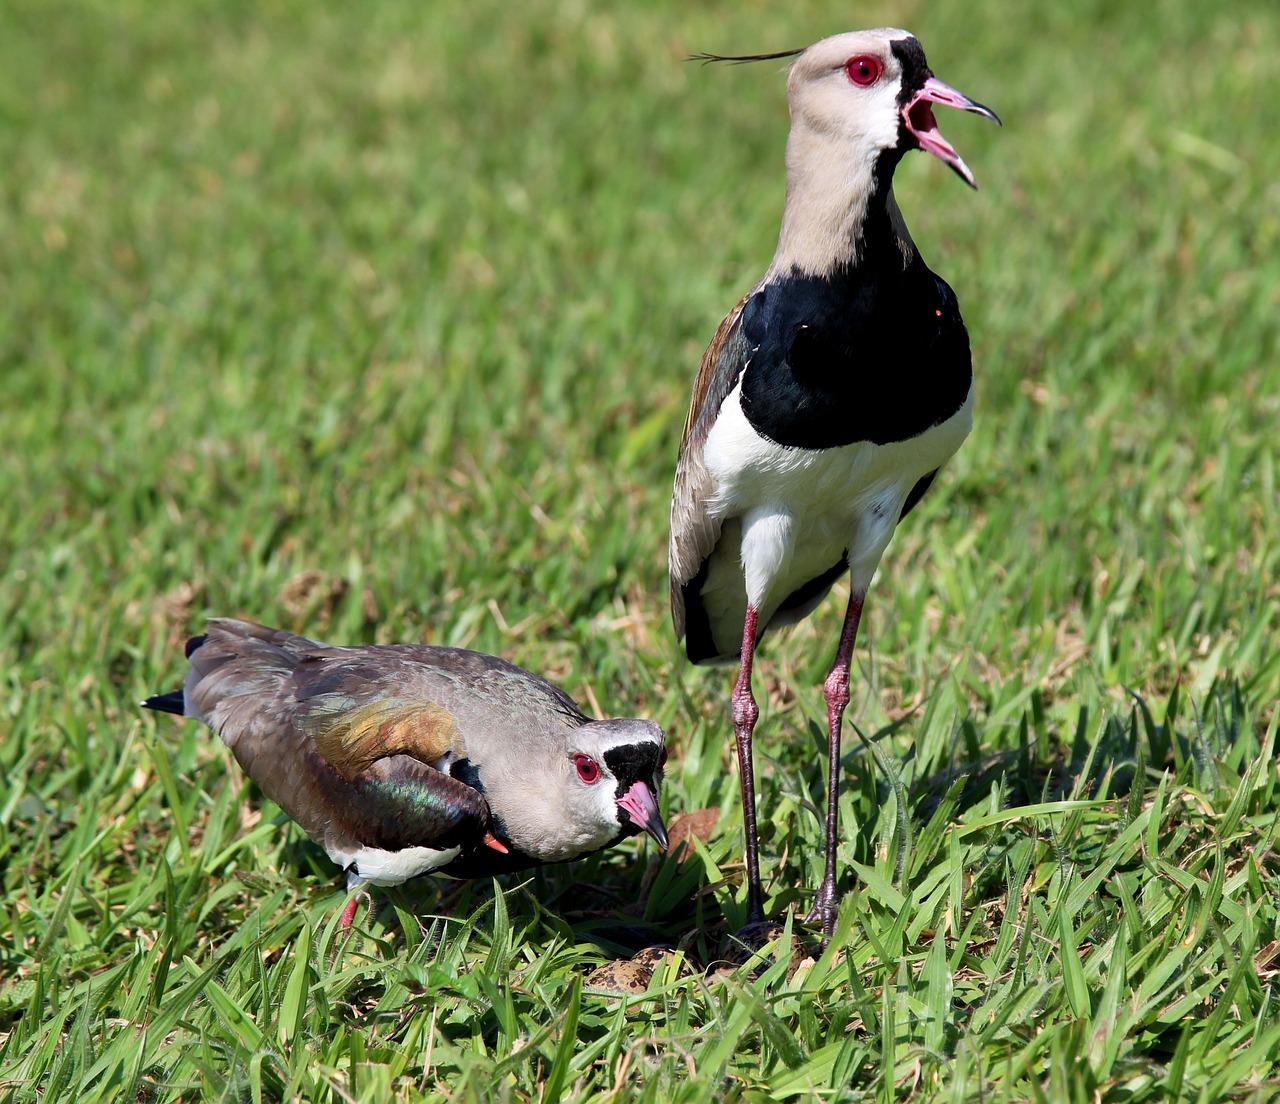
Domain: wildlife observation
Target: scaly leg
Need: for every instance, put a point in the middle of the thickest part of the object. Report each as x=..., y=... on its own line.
x=836, y=692
x=745, y=714
x=349, y=913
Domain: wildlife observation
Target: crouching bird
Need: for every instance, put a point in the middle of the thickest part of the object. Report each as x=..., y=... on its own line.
x=828, y=398
x=407, y=758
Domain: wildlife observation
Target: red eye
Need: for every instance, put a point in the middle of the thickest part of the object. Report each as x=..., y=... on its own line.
x=864, y=70
x=588, y=768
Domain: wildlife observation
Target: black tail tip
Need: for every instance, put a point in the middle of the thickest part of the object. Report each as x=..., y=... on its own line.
x=166, y=703
x=192, y=644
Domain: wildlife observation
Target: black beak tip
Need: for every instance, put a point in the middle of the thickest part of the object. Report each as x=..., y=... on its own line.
x=967, y=179
x=658, y=831
x=986, y=112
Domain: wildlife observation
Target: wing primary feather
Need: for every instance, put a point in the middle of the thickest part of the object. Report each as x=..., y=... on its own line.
x=399, y=802
x=711, y=372
x=694, y=532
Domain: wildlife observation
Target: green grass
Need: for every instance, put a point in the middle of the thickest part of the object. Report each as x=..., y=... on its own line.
x=378, y=322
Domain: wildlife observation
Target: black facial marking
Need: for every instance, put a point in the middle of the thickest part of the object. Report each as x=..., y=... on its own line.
x=633, y=763
x=915, y=70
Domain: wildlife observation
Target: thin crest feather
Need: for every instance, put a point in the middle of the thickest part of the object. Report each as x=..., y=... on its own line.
x=742, y=59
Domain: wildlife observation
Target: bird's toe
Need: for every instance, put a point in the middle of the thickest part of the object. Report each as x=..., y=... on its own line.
x=825, y=907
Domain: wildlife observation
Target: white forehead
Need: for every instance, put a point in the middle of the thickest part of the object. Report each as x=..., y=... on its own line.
x=828, y=53
x=853, y=41
x=597, y=737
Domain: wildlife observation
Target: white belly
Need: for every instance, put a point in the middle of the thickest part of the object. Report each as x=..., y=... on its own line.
x=389, y=868
x=791, y=514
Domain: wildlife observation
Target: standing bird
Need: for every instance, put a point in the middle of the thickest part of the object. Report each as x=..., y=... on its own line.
x=407, y=758
x=828, y=398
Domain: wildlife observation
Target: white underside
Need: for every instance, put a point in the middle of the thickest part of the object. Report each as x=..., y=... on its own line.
x=789, y=514
x=389, y=868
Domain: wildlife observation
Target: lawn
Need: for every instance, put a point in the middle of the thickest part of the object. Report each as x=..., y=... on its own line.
x=378, y=322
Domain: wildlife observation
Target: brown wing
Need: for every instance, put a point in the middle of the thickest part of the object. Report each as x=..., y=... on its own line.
x=341, y=738
x=694, y=532
x=713, y=379
x=359, y=710
x=357, y=704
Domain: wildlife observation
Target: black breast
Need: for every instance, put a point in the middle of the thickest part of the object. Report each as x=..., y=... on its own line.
x=867, y=354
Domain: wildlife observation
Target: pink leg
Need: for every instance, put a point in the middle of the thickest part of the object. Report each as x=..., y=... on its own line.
x=349, y=914
x=745, y=714
x=836, y=692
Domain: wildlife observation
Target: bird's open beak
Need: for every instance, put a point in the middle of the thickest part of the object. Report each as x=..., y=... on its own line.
x=642, y=807
x=918, y=117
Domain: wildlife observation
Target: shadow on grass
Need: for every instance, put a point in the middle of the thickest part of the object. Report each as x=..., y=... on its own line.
x=601, y=900
x=1122, y=758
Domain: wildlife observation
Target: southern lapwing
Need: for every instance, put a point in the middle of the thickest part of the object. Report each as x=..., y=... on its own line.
x=828, y=398
x=406, y=758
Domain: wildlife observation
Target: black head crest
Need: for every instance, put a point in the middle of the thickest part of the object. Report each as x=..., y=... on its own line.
x=742, y=59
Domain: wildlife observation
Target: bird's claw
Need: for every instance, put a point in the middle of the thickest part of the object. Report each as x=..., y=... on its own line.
x=826, y=904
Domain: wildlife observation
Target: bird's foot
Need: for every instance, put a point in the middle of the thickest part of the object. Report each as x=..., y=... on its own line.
x=826, y=904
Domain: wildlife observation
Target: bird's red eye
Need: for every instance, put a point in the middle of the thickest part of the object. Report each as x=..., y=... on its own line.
x=588, y=768
x=864, y=70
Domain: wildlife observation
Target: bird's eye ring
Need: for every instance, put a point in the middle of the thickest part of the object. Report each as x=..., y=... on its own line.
x=588, y=769
x=863, y=70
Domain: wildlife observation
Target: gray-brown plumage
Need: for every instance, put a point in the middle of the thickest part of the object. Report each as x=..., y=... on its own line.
x=829, y=397
x=408, y=758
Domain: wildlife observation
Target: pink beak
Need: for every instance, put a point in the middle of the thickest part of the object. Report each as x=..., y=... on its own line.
x=642, y=807
x=918, y=117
